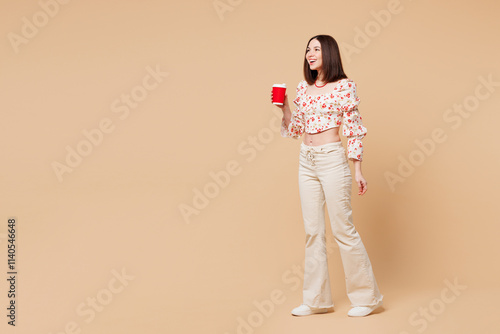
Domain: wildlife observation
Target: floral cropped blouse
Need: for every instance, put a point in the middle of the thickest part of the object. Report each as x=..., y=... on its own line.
x=317, y=113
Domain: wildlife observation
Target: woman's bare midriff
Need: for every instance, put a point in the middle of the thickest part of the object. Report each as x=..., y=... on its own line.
x=328, y=136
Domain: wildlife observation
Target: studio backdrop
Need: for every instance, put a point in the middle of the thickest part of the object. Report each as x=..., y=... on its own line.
x=145, y=186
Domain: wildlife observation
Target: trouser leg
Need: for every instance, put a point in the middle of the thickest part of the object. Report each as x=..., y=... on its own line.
x=316, y=286
x=336, y=181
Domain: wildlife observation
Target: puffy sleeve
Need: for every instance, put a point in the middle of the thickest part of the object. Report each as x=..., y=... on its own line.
x=352, y=127
x=296, y=126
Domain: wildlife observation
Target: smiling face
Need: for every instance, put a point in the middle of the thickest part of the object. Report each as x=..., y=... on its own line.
x=313, y=55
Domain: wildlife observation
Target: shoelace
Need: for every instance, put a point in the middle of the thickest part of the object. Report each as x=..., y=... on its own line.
x=310, y=156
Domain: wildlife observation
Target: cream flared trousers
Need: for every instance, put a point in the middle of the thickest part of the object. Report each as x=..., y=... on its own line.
x=325, y=177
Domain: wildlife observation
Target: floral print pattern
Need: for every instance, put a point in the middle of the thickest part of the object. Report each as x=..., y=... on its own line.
x=317, y=113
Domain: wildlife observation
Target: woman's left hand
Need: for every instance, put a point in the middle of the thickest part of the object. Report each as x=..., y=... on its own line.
x=362, y=184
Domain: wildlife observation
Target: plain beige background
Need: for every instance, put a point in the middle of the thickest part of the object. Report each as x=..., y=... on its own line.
x=118, y=212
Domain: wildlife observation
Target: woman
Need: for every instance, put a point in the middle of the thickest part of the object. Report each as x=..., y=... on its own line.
x=325, y=100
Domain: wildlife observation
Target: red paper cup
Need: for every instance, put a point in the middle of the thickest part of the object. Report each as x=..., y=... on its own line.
x=279, y=91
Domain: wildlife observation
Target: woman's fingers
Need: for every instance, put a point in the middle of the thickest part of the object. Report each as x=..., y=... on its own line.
x=363, y=187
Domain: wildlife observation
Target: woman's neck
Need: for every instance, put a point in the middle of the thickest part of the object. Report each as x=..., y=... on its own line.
x=319, y=78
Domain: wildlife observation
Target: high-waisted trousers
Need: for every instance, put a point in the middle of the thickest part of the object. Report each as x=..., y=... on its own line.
x=325, y=177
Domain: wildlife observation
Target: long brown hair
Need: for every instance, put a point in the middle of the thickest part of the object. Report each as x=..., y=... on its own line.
x=332, y=63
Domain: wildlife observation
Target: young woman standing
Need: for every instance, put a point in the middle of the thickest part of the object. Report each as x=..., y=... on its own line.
x=325, y=100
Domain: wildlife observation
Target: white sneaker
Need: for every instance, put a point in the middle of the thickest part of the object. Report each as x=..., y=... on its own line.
x=361, y=311
x=303, y=309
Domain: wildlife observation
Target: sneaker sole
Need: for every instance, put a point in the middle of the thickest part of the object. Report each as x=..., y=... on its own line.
x=321, y=311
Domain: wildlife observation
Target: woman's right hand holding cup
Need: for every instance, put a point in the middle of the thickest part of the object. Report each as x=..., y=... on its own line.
x=279, y=96
x=285, y=102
